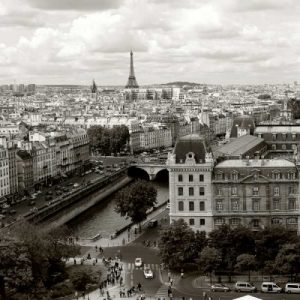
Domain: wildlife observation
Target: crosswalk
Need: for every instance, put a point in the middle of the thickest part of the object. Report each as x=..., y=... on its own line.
x=162, y=292
x=131, y=266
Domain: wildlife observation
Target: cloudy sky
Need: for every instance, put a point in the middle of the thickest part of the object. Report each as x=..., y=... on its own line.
x=206, y=41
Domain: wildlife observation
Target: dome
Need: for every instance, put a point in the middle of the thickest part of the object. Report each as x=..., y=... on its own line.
x=244, y=123
x=193, y=145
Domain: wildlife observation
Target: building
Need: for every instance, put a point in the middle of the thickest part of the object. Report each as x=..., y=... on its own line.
x=242, y=125
x=190, y=182
x=131, y=83
x=4, y=174
x=25, y=171
x=256, y=193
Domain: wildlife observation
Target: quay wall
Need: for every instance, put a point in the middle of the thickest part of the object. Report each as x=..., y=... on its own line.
x=64, y=216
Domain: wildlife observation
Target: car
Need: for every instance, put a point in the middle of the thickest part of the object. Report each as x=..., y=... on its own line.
x=242, y=286
x=270, y=287
x=292, y=288
x=76, y=185
x=219, y=287
x=138, y=262
x=148, y=273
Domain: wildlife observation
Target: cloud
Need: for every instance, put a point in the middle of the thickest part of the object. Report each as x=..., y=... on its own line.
x=171, y=40
x=81, y=5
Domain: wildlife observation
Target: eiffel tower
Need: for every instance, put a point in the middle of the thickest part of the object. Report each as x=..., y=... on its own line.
x=131, y=83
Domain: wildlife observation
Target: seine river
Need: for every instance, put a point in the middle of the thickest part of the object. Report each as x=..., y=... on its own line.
x=104, y=220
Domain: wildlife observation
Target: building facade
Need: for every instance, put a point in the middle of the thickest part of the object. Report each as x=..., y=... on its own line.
x=251, y=192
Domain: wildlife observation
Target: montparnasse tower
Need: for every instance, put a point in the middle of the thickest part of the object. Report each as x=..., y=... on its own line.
x=131, y=83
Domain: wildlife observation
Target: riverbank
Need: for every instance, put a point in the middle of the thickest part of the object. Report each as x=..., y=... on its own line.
x=80, y=207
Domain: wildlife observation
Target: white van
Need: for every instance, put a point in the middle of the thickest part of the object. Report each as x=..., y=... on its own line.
x=270, y=287
x=242, y=286
x=292, y=288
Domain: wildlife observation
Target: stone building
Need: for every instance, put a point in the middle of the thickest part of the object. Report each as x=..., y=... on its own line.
x=237, y=191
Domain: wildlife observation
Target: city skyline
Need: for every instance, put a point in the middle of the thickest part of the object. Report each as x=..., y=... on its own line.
x=213, y=42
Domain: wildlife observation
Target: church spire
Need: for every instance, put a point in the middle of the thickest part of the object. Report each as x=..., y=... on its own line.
x=131, y=83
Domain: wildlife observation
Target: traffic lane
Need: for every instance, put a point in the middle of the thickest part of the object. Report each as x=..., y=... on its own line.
x=149, y=286
x=263, y=296
x=131, y=252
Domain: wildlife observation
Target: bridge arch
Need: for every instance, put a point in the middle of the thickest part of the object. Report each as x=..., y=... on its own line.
x=149, y=172
x=137, y=172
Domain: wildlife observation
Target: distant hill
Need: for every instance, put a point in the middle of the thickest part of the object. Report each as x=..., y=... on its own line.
x=182, y=83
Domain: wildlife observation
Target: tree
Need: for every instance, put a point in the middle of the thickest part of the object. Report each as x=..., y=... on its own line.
x=179, y=245
x=209, y=261
x=80, y=279
x=231, y=243
x=269, y=242
x=288, y=260
x=134, y=201
x=245, y=262
x=45, y=249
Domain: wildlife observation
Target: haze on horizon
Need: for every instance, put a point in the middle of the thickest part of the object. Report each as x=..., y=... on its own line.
x=204, y=41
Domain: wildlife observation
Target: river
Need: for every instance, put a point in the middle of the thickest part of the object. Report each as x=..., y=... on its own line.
x=104, y=220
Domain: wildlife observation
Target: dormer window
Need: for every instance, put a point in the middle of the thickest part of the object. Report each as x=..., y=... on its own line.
x=235, y=176
x=284, y=136
x=274, y=136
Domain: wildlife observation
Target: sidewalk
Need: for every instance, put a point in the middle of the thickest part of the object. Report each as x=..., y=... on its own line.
x=125, y=237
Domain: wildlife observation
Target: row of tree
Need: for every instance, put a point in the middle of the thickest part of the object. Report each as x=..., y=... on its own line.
x=108, y=140
x=31, y=259
x=228, y=250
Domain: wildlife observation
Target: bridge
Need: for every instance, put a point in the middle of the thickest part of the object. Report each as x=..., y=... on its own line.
x=151, y=169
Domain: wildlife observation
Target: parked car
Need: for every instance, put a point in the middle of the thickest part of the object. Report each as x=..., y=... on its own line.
x=270, y=287
x=219, y=287
x=148, y=273
x=292, y=288
x=76, y=185
x=138, y=262
x=242, y=286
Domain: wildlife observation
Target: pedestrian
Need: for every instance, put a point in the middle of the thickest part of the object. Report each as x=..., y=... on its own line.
x=171, y=281
x=169, y=276
x=120, y=293
x=121, y=280
x=139, y=286
x=181, y=274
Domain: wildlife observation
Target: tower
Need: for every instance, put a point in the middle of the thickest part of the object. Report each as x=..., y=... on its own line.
x=131, y=83
x=94, y=90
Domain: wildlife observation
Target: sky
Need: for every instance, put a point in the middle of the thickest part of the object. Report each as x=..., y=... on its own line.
x=203, y=41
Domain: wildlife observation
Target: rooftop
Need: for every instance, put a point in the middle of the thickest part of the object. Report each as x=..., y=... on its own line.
x=239, y=146
x=255, y=163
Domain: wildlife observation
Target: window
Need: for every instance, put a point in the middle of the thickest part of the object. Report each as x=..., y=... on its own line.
x=276, y=221
x=292, y=204
x=234, y=205
x=192, y=222
x=202, y=222
x=219, y=176
x=180, y=191
x=276, y=191
x=273, y=147
x=191, y=178
x=219, y=192
x=219, y=205
x=180, y=178
x=255, y=223
x=283, y=147
x=276, y=204
x=255, y=191
x=284, y=136
x=255, y=205
x=191, y=191
x=201, y=191
x=202, y=206
x=294, y=136
x=291, y=190
x=291, y=175
x=235, y=176
x=219, y=221
x=191, y=206
x=180, y=206
x=201, y=177
x=233, y=190
x=274, y=137
x=235, y=222
x=276, y=175
x=292, y=221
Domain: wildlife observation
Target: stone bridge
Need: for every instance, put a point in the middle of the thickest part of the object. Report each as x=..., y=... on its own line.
x=151, y=169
